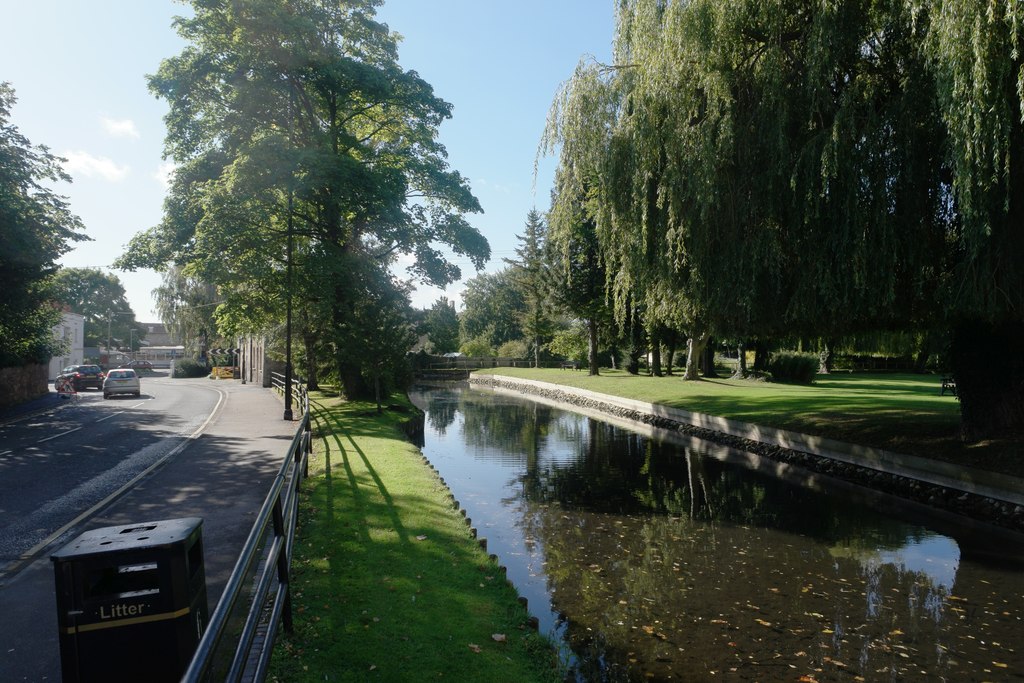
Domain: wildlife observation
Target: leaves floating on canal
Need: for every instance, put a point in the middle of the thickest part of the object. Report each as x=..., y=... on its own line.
x=662, y=561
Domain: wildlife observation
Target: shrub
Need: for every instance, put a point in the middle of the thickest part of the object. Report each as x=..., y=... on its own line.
x=478, y=347
x=794, y=367
x=515, y=349
x=571, y=344
x=190, y=368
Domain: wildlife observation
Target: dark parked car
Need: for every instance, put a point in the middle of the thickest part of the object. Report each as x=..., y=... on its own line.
x=139, y=365
x=84, y=376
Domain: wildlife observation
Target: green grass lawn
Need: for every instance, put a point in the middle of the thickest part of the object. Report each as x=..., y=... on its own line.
x=388, y=583
x=897, y=412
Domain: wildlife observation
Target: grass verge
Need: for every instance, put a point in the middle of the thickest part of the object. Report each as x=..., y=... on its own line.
x=899, y=412
x=388, y=584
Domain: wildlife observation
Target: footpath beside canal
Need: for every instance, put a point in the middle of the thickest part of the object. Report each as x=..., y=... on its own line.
x=981, y=495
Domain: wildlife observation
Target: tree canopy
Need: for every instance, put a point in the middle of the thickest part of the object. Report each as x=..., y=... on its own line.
x=293, y=122
x=809, y=168
x=100, y=298
x=37, y=229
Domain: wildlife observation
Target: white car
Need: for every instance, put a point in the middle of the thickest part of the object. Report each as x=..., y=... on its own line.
x=121, y=381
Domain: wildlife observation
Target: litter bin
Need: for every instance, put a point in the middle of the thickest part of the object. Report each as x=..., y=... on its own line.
x=131, y=601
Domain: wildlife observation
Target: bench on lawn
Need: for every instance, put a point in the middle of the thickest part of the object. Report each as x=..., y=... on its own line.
x=569, y=364
x=948, y=384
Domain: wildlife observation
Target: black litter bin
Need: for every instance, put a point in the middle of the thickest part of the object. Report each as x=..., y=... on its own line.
x=131, y=601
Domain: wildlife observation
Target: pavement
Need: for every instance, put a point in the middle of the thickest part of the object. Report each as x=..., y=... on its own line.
x=221, y=474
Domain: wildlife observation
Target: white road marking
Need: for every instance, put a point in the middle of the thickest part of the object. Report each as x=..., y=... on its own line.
x=14, y=567
x=57, y=436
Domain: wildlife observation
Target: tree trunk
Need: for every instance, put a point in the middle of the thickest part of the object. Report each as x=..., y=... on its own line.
x=376, y=390
x=826, y=356
x=592, y=347
x=762, y=353
x=694, y=350
x=709, y=360
x=312, y=378
x=655, y=357
x=742, y=367
x=673, y=341
x=988, y=364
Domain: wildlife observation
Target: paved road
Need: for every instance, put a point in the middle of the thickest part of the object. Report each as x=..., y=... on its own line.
x=186, y=448
x=56, y=464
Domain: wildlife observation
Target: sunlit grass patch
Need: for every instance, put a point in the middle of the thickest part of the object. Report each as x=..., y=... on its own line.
x=388, y=584
x=900, y=412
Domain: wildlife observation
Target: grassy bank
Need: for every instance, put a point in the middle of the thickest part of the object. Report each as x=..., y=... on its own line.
x=898, y=412
x=388, y=583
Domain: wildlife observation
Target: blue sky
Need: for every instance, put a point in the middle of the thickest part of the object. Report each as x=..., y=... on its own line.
x=78, y=69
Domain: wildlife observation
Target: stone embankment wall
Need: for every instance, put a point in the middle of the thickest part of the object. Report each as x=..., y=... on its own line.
x=22, y=384
x=1000, y=503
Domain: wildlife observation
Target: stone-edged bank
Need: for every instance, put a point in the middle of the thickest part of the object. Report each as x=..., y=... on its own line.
x=983, y=496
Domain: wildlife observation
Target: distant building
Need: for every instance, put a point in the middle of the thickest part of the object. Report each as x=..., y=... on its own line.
x=159, y=346
x=157, y=334
x=71, y=331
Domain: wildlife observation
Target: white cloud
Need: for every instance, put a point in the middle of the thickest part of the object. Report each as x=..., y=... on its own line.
x=497, y=187
x=83, y=163
x=165, y=173
x=120, y=129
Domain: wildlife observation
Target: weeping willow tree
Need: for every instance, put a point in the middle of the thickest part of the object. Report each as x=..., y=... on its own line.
x=810, y=168
x=975, y=48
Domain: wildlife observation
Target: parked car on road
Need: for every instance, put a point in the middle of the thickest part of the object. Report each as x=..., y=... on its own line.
x=121, y=381
x=139, y=365
x=83, y=376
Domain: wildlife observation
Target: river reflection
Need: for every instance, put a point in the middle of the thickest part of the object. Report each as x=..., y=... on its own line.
x=657, y=561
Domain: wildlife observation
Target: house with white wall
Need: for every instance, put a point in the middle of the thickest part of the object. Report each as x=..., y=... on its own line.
x=71, y=331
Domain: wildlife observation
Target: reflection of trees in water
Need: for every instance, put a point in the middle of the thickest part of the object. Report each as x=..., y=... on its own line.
x=668, y=563
x=442, y=407
x=492, y=421
x=667, y=595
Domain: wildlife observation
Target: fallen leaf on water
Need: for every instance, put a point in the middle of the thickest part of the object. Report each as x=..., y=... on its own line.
x=1000, y=665
x=421, y=538
x=763, y=622
x=474, y=648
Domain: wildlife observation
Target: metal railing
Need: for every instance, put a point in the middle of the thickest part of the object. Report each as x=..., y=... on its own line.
x=262, y=571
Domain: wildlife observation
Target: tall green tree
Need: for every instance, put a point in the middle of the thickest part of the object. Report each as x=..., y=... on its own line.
x=442, y=325
x=36, y=229
x=100, y=299
x=578, y=270
x=531, y=273
x=492, y=306
x=293, y=122
x=974, y=49
x=819, y=169
x=188, y=306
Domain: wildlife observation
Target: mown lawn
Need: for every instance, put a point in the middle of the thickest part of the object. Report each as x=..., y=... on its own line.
x=898, y=412
x=388, y=583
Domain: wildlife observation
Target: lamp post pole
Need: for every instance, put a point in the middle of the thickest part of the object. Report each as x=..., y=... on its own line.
x=109, y=316
x=288, y=319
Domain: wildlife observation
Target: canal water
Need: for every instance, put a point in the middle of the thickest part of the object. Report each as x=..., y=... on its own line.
x=659, y=558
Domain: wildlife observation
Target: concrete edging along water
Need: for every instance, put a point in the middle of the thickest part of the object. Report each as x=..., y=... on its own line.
x=983, y=495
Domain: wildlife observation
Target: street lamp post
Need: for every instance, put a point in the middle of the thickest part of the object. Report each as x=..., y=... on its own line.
x=288, y=320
